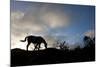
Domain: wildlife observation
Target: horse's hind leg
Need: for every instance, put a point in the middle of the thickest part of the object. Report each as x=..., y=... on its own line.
x=35, y=46
x=27, y=46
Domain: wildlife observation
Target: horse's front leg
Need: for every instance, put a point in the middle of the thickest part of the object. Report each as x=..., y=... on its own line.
x=39, y=46
x=34, y=49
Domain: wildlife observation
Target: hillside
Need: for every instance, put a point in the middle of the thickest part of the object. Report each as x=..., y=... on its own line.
x=49, y=56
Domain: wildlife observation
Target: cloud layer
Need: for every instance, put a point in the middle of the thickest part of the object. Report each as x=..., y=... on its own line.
x=38, y=20
x=51, y=21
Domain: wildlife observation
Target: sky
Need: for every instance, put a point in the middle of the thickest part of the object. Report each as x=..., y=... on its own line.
x=54, y=22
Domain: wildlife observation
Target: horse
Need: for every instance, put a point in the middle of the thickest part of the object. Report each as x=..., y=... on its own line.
x=36, y=40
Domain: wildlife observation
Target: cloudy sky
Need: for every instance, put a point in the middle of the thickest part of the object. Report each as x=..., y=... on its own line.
x=54, y=22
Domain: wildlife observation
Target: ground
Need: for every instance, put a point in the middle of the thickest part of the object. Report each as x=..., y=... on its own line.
x=21, y=57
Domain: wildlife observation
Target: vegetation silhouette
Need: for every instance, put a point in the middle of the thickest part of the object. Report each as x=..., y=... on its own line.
x=36, y=40
x=63, y=45
x=21, y=57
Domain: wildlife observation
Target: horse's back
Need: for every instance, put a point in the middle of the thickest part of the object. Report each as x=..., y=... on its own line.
x=35, y=38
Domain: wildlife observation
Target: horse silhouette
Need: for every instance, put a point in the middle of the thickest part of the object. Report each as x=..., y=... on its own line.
x=36, y=40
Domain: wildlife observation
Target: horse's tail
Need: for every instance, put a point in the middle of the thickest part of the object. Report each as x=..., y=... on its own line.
x=24, y=39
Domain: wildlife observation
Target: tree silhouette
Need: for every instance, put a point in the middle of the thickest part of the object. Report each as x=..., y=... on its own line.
x=63, y=45
x=89, y=42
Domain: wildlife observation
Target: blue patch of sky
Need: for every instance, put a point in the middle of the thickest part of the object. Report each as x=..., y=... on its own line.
x=82, y=20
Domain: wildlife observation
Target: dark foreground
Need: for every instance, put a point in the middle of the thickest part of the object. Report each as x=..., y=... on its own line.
x=50, y=56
